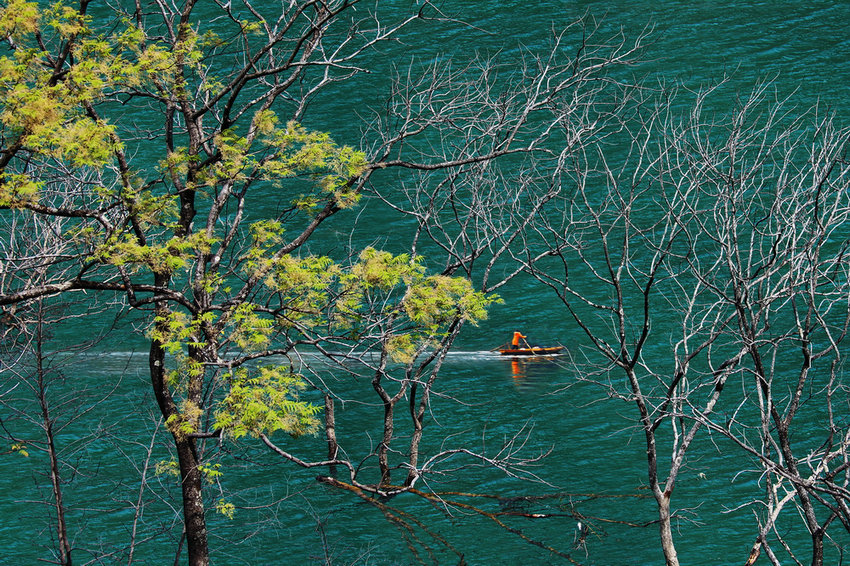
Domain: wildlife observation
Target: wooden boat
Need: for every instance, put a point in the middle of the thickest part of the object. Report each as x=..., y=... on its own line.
x=530, y=351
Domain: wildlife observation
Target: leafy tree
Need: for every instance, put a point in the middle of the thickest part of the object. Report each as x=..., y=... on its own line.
x=165, y=215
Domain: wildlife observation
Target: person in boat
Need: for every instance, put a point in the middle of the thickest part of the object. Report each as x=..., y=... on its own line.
x=517, y=337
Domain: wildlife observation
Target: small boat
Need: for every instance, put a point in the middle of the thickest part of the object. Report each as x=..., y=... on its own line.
x=530, y=351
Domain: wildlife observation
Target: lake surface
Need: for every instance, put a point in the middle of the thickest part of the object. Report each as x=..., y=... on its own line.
x=596, y=468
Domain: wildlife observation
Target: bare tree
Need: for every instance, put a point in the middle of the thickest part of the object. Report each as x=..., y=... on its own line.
x=776, y=238
x=41, y=402
x=716, y=242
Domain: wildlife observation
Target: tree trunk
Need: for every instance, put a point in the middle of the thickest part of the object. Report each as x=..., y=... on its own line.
x=670, y=556
x=47, y=420
x=389, y=409
x=191, y=482
x=754, y=553
x=61, y=528
x=817, y=547
x=330, y=432
x=384, y=448
x=417, y=415
x=193, y=503
x=413, y=474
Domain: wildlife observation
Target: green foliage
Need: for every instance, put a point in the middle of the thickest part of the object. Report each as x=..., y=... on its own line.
x=264, y=401
x=295, y=151
x=176, y=330
x=167, y=468
x=19, y=19
x=402, y=348
x=383, y=270
x=43, y=115
x=212, y=473
x=225, y=508
x=18, y=191
x=165, y=258
x=49, y=115
x=420, y=307
x=251, y=331
x=20, y=448
x=314, y=153
x=438, y=299
x=186, y=421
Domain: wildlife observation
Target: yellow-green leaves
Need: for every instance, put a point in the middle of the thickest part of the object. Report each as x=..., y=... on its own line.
x=236, y=163
x=251, y=331
x=167, y=468
x=20, y=448
x=66, y=20
x=331, y=167
x=18, y=19
x=225, y=508
x=43, y=109
x=161, y=64
x=265, y=402
x=49, y=119
x=176, y=330
x=402, y=348
x=429, y=301
x=384, y=270
x=17, y=191
x=421, y=306
x=82, y=141
x=265, y=121
x=438, y=299
x=186, y=421
x=273, y=153
x=165, y=258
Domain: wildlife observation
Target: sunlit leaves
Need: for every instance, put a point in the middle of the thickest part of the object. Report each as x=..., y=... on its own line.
x=438, y=299
x=421, y=307
x=266, y=401
x=225, y=508
x=211, y=473
x=280, y=153
x=177, y=329
x=83, y=141
x=265, y=121
x=186, y=421
x=20, y=448
x=402, y=348
x=165, y=258
x=18, y=191
x=167, y=468
x=66, y=20
x=18, y=19
x=251, y=331
x=43, y=109
x=48, y=119
x=330, y=166
x=384, y=270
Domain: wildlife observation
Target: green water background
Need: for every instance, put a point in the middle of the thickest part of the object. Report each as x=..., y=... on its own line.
x=595, y=449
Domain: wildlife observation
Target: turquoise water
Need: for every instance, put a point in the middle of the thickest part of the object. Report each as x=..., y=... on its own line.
x=596, y=468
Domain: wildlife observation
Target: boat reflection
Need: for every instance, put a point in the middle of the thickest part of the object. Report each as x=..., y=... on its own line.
x=533, y=371
x=517, y=369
